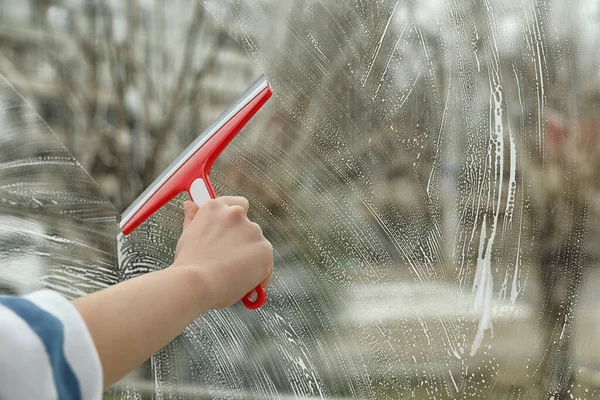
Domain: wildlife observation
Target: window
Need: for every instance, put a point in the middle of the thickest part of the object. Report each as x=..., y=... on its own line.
x=427, y=172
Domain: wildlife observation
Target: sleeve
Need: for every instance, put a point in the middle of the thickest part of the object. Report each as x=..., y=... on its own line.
x=46, y=351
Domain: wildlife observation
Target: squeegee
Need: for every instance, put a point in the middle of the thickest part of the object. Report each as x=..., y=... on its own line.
x=190, y=171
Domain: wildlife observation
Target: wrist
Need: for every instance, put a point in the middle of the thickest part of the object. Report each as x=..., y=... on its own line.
x=195, y=285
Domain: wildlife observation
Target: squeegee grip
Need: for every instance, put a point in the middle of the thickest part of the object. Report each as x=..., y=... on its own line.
x=201, y=191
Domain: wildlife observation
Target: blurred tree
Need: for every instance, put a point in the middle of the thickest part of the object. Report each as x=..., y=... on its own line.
x=122, y=87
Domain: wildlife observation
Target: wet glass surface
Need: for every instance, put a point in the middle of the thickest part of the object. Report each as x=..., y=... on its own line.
x=427, y=172
x=57, y=229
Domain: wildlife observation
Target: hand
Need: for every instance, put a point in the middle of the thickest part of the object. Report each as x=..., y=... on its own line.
x=228, y=250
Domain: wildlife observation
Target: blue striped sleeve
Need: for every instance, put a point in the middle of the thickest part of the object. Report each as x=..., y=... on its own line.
x=49, y=331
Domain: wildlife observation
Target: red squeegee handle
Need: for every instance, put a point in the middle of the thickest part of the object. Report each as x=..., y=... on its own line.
x=197, y=169
x=201, y=190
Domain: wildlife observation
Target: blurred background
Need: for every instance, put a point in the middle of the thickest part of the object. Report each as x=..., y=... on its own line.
x=427, y=170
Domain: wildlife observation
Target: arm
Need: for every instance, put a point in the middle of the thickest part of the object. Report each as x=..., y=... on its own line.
x=220, y=257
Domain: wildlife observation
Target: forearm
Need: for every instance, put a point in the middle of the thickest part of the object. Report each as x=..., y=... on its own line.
x=131, y=321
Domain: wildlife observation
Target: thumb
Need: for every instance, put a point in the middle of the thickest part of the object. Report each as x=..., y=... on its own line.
x=189, y=212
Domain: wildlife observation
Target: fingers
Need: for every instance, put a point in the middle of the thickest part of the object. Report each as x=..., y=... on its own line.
x=190, y=208
x=189, y=212
x=266, y=282
x=235, y=201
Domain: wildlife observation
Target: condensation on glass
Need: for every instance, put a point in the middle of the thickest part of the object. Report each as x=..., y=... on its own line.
x=427, y=172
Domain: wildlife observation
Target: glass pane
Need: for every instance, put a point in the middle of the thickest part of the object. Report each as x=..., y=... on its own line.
x=57, y=229
x=426, y=170
x=434, y=169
